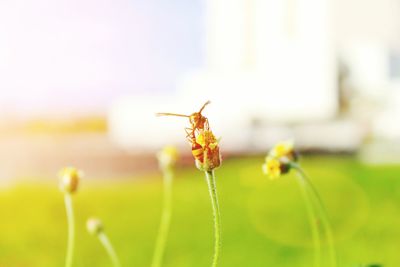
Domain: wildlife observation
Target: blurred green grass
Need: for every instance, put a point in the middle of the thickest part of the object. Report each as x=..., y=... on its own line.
x=264, y=222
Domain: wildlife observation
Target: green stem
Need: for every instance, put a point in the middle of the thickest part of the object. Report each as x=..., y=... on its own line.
x=312, y=218
x=212, y=188
x=324, y=215
x=71, y=230
x=109, y=248
x=165, y=220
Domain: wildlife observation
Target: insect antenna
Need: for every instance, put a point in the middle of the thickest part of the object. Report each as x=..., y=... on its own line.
x=205, y=104
x=172, y=114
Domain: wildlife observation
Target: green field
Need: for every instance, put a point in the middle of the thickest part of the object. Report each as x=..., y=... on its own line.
x=264, y=222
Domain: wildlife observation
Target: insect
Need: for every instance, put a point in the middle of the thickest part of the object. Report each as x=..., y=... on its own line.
x=198, y=123
x=196, y=119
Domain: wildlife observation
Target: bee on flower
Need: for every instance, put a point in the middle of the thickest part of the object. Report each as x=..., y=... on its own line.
x=205, y=150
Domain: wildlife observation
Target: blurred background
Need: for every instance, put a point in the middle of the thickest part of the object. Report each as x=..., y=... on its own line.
x=81, y=81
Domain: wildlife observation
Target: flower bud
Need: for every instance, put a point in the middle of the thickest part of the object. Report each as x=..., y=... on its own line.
x=274, y=167
x=94, y=226
x=284, y=150
x=211, y=158
x=167, y=157
x=69, y=179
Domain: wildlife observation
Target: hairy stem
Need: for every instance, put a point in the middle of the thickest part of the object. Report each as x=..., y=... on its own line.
x=312, y=218
x=109, y=248
x=165, y=220
x=71, y=230
x=321, y=209
x=212, y=188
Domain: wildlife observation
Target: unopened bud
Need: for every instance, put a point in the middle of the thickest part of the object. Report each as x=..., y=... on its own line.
x=94, y=226
x=69, y=179
x=167, y=157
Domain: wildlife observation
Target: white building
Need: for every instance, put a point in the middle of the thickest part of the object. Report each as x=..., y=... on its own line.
x=271, y=64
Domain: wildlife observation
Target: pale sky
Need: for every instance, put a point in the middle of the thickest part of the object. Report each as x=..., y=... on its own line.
x=59, y=55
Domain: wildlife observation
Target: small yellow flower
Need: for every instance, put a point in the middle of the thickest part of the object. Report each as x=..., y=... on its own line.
x=168, y=157
x=279, y=159
x=210, y=158
x=283, y=149
x=69, y=179
x=272, y=167
x=207, y=138
x=94, y=226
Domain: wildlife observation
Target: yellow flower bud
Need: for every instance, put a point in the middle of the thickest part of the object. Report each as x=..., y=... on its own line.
x=69, y=179
x=284, y=149
x=210, y=158
x=274, y=167
x=94, y=226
